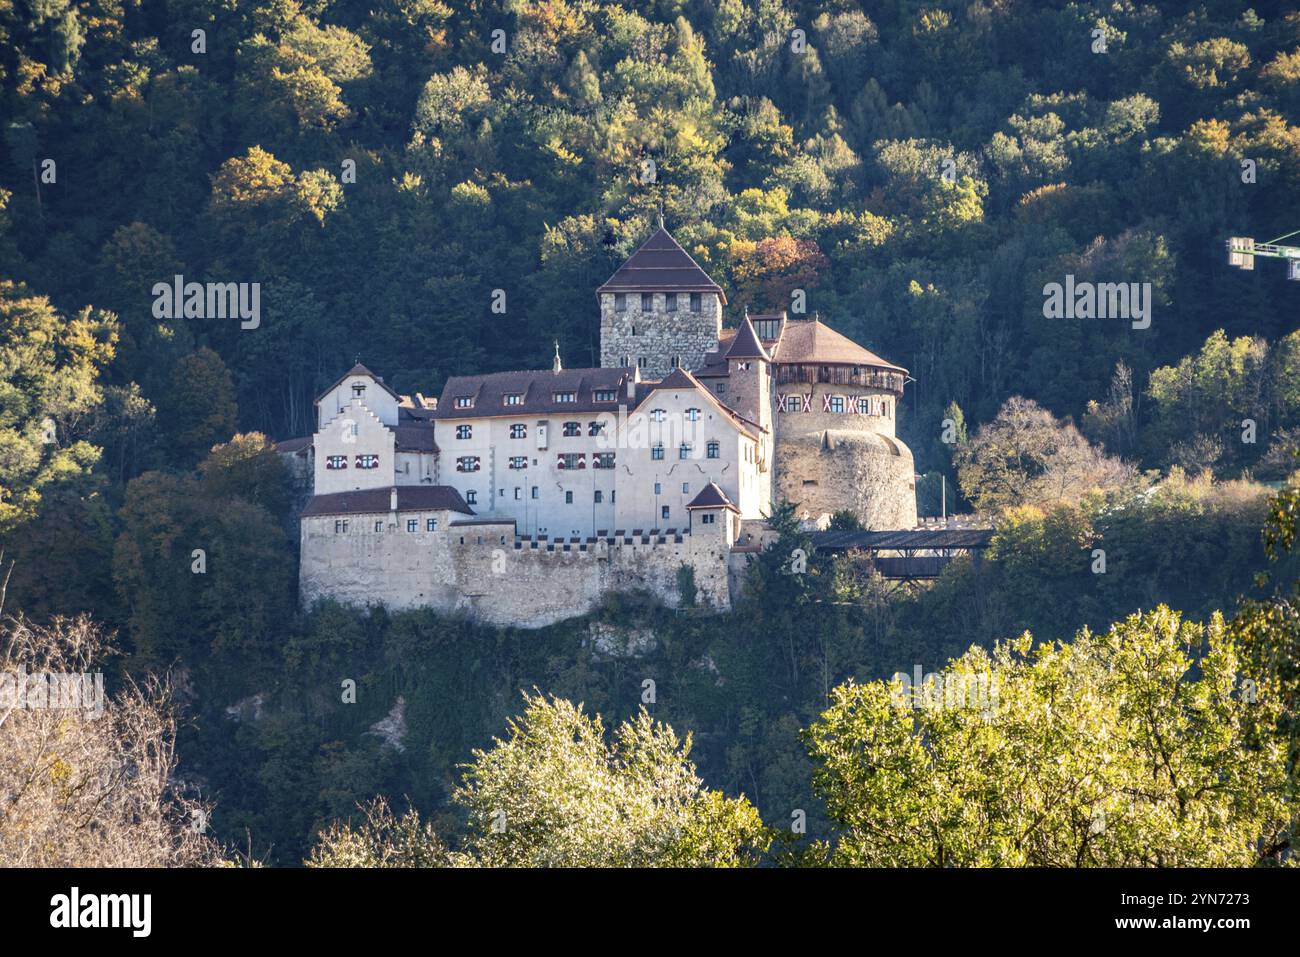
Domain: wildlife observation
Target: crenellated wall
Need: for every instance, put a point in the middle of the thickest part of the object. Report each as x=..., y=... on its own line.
x=485, y=571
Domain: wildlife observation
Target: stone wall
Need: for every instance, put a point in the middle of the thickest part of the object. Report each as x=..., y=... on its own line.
x=483, y=570
x=868, y=473
x=656, y=336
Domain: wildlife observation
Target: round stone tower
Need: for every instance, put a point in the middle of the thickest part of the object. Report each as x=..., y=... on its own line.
x=836, y=408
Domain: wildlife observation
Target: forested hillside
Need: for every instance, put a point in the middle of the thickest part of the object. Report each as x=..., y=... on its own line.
x=388, y=171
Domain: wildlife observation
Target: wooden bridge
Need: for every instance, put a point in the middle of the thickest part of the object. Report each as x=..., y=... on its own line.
x=908, y=555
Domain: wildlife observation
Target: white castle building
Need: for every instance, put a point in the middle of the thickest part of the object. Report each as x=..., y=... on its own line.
x=520, y=498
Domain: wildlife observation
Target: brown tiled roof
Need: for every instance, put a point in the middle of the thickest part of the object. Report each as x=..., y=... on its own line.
x=746, y=344
x=294, y=445
x=537, y=388
x=810, y=341
x=410, y=498
x=415, y=438
x=661, y=265
x=359, y=369
x=712, y=497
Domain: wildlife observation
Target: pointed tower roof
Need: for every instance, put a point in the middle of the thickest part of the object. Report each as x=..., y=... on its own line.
x=711, y=496
x=746, y=344
x=661, y=265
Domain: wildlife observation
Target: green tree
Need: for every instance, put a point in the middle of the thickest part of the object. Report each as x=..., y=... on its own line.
x=555, y=793
x=1110, y=750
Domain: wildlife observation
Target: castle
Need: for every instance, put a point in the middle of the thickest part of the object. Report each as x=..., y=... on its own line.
x=521, y=498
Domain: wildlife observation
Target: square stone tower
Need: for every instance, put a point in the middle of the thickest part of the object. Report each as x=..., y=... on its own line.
x=660, y=311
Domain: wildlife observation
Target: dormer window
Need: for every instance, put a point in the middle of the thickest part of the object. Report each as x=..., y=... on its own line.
x=464, y=402
x=565, y=397
x=514, y=398
x=605, y=395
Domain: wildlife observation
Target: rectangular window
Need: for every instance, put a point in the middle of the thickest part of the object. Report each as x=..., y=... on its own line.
x=712, y=450
x=430, y=524
x=412, y=524
x=599, y=497
x=464, y=431
x=647, y=301
x=663, y=512
x=471, y=497
x=670, y=302
x=565, y=397
x=571, y=429
x=693, y=414
x=379, y=526
x=605, y=395
x=519, y=493
x=658, y=488
x=340, y=525
x=657, y=452
x=534, y=491
x=336, y=462
x=721, y=388
x=572, y=460
x=358, y=389
x=467, y=463
x=837, y=403
x=684, y=450
x=519, y=431
x=686, y=488
x=514, y=398
x=568, y=498
x=626, y=362
x=708, y=519
x=519, y=461
x=367, y=461
x=464, y=402
x=656, y=415
x=595, y=428
x=602, y=460
x=695, y=302
x=620, y=302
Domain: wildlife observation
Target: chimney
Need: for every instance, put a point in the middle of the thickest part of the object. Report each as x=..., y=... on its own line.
x=392, y=500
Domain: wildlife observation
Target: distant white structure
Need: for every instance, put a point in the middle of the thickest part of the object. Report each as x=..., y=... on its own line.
x=521, y=497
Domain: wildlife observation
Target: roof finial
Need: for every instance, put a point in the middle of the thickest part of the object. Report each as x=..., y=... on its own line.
x=746, y=310
x=661, y=215
x=555, y=365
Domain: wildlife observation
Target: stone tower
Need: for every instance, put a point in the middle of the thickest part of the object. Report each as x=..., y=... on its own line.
x=836, y=447
x=660, y=311
x=750, y=390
